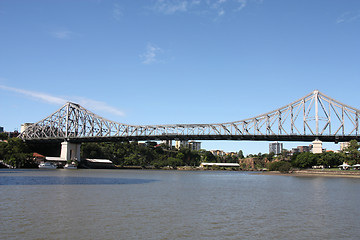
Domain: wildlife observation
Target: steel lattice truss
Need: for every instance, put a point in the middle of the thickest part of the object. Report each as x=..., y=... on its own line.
x=313, y=116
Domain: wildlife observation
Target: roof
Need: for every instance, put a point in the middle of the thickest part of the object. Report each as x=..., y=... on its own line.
x=99, y=160
x=221, y=164
x=38, y=155
x=55, y=159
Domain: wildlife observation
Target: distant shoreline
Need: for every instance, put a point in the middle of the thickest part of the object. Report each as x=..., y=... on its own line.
x=315, y=173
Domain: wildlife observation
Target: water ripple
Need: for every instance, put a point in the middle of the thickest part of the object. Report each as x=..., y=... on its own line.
x=59, y=180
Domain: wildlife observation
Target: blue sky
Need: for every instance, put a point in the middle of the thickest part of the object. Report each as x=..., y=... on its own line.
x=165, y=62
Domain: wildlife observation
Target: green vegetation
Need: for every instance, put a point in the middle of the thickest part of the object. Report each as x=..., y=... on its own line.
x=3, y=136
x=281, y=166
x=148, y=154
x=16, y=153
x=352, y=154
x=284, y=162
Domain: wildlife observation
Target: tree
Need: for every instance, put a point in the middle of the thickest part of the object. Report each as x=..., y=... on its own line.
x=92, y=150
x=284, y=154
x=282, y=166
x=231, y=158
x=174, y=162
x=241, y=154
x=3, y=136
x=330, y=159
x=305, y=160
x=16, y=153
x=270, y=156
x=3, y=149
x=208, y=157
x=352, y=152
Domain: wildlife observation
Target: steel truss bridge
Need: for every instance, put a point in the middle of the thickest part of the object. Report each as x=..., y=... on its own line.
x=315, y=116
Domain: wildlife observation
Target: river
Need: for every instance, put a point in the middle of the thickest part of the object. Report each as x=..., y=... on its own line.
x=151, y=204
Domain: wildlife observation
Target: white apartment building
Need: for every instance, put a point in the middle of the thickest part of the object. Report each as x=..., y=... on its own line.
x=275, y=147
x=195, y=146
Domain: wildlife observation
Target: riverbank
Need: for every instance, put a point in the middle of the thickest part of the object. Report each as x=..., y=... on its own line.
x=316, y=173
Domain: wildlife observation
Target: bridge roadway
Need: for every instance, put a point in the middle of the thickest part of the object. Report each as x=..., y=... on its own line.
x=293, y=138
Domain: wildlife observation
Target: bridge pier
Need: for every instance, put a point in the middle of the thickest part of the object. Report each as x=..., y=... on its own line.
x=317, y=146
x=70, y=151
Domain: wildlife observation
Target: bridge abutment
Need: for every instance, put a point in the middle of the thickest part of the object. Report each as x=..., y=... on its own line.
x=70, y=151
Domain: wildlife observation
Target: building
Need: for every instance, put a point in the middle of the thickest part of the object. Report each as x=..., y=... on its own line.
x=38, y=158
x=218, y=152
x=181, y=143
x=275, y=147
x=167, y=143
x=99, y=163
x=195, y=146
x=24, y=126
x=344, y=145
x=295, y=150
x=317, y=146
x=1, y=129
x=231, y=154
x=302, y=149
x=204, y=165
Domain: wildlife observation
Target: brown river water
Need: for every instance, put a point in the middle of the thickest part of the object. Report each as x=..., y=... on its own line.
x=151, y=204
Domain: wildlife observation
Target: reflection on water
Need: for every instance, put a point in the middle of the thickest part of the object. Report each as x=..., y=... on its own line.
x=142, y=204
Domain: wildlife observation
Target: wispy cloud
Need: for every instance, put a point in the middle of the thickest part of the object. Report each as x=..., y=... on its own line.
x=242, y=5
x=219, y=7
x=117, y=11
x=62, y=34
x=151, y=54
x=171, y=6
x=36, y=95
x=348, y=17
x=98, y=106
x=48, y=98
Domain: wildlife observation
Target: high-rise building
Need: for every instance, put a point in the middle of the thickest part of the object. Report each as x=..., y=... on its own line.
x=195, y=145
x=275, y=147
x=181, y=143
x=168, y=143
x=304, y=148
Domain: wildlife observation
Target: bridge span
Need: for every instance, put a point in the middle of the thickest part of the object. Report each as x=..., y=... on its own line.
x=315, y=116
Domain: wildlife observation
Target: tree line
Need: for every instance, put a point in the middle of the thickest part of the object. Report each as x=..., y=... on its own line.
x=150, y=154
x=350, y=155
x=18, y=153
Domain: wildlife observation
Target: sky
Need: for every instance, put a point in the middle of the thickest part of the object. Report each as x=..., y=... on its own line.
x=177, y=61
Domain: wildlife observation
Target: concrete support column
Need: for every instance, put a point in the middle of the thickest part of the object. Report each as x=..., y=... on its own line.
x=70, y=151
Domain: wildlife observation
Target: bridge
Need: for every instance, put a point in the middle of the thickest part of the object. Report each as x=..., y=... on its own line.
x=314, y=116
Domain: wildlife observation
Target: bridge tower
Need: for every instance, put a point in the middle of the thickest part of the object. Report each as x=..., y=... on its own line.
x=70, y=151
